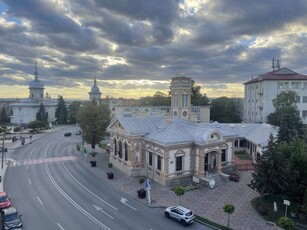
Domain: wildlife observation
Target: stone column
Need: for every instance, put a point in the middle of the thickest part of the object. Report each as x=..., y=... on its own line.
x=218, y=161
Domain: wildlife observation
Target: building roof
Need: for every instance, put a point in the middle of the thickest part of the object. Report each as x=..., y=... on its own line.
x=180, y=131
x=280, y=74
x=139, y=125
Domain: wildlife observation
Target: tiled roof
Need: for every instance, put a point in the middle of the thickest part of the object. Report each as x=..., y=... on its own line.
x=281, y=74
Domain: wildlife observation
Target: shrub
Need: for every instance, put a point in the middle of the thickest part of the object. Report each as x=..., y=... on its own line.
x=286, y=223
x=141, y=180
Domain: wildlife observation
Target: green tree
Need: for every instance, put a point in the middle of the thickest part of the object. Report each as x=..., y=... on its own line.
x=4, y=118
x=296, y=155
x=73, y=109
x=223, y=110
x=179, y=191
x=93, y=120
x=286, y=116
x=61, y=112
x=229, y=209
x=197, y=98
x=158, y=99
x=42, y=115
x=286, y=223
x=270, y=176
x=35, y=125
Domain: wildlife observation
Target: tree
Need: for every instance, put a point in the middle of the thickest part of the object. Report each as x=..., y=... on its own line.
x=93, y=120
x=4, y=118
x=286, y=117
x=42, y=115
x=35, y=125
x=179, y=191
x=197, y=98
x=271, y=171
x=158, y=99
x=296, y=155
x=73, y=109
x=223, y=110
x=61, y=112
x=229, y=209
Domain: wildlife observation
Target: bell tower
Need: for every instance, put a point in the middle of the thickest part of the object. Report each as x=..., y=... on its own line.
x=181, y=97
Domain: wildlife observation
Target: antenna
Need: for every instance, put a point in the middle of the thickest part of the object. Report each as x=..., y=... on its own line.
x=278, y=64
x=273, y=64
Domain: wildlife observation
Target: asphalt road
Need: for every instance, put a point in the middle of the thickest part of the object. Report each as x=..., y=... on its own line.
x=54, y=192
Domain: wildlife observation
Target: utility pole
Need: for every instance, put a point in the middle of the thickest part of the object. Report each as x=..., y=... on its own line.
x=2, y=162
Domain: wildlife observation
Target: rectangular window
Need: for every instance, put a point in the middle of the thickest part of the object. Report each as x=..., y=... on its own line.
x=304, y=113
x=223, y=155
x=159, y=162
x=286, y=85
x=179, y=163
x=304, y=99
x=280, y=85
x=297, y=99
x=305, y=85
x=297, y=85
x=150, y=158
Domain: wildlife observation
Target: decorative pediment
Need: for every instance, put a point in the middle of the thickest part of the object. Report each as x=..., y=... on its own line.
x=214, y=136
x=159, y=151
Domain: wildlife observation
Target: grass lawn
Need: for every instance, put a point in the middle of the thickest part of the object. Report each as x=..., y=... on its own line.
x=267, y=204
x=243, y=155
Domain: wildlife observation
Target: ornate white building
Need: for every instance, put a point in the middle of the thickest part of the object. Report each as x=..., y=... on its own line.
x=171, y=149
x=25, y=110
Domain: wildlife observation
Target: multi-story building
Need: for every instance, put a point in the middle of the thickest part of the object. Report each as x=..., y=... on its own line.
x=259, y=93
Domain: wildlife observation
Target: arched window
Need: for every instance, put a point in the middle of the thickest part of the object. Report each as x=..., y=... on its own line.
x=120, y=153
x=175, y=100
x=115, y=147
x=184, y=100
x=126, y=152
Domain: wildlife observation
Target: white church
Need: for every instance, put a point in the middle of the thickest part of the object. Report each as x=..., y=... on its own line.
x=25, y=110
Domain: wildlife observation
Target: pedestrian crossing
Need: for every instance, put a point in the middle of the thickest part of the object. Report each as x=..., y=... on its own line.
x=13, y=163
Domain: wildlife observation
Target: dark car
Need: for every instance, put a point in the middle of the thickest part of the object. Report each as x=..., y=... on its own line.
x=67, y=134
x=10, y=219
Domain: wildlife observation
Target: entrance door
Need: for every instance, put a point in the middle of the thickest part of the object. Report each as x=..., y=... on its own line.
x=206, y=162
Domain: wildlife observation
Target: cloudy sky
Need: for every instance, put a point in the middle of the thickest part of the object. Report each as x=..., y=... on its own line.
x=134, y=47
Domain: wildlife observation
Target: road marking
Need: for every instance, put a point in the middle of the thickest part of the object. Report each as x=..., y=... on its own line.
x=29, y=181
x=43, y=160
x=100, y=209
x=39, y=200
x=31, y=153
x=70, y=200
x=60, y=226
x=124, y=200
x=88, y=189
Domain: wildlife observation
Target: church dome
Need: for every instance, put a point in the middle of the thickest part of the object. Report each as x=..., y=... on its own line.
x=95, y=89
x=36, y=84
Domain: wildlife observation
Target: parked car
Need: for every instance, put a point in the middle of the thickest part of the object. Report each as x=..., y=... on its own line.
x=78, y=132
x=181, y=214
x=10, y=219
x=4, y=200
x=67, y=134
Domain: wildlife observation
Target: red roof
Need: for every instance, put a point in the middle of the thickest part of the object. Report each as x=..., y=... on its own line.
x=280, y=74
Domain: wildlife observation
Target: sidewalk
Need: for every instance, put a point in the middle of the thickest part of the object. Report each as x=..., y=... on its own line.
x=204, y=202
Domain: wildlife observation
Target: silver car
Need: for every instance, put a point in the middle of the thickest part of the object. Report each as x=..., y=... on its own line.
x=181, y=214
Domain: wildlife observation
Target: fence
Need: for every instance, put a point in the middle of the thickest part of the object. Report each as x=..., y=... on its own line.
x=244, y=167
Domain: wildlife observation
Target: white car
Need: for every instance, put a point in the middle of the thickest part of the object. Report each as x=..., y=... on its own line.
x=181, y=214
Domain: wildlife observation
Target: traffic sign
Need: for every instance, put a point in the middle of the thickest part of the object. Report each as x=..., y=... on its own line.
x=148, y=184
